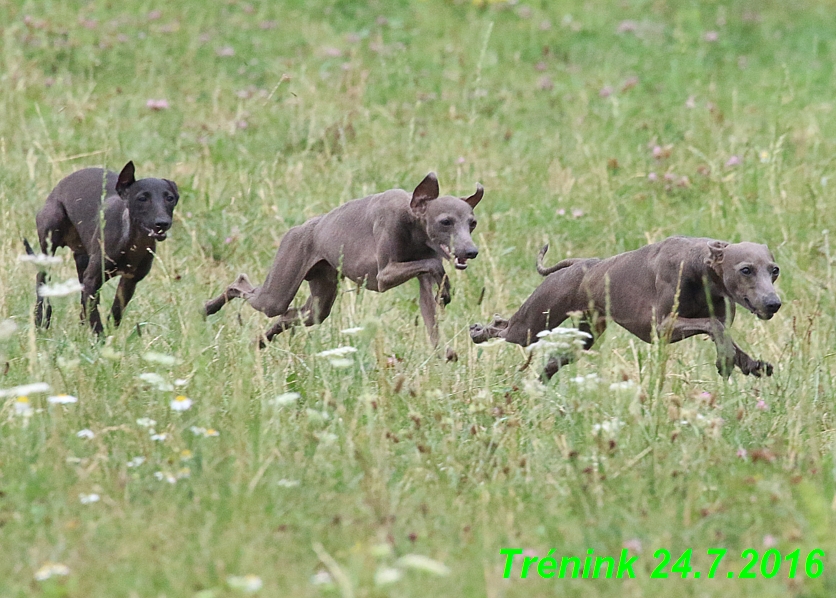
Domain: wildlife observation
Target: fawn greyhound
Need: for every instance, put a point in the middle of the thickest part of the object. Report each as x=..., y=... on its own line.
x=379, y=241
x=112, y=224
x=680, y=287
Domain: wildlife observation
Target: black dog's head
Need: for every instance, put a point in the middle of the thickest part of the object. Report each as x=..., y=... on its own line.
x=150, y=201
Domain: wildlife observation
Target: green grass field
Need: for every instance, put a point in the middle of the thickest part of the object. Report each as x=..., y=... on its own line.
x=274, y=112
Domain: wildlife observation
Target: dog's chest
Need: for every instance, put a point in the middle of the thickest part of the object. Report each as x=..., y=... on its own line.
x=128, y=261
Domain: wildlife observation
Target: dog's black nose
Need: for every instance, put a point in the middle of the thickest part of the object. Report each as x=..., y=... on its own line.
x=471, y=253
x=772, y=305
x=162, y=224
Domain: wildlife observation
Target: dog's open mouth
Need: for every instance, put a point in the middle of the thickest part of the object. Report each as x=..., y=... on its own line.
x=157, y=234
x=761, y=315
x=458, y=261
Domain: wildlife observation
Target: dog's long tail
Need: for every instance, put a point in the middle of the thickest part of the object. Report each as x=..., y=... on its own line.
x=28, y=247
x=543, y=271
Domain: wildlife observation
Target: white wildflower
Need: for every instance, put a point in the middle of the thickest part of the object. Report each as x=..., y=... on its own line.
x=287, y=398
x=165, y=476
x=246, y=583
x=156, y=381
x=387, y=575
x=321, y=578
x=85, y=433
x=337, y=352
x=181, y=382
x=88, y=499
x=23, y=408
x=181, y=403
x=607, y=428
x=158, y=437
x=423, y=563
x=48, y=570
x=146, y=422
x=7, y=329
x=136, y=461
x=341, y=362
x=354, y=330
x=161, y=358
x=588, y=381
x=62, y=399
x=40, y=259
x=61, y=289
x=24, y=389
x=285, y=483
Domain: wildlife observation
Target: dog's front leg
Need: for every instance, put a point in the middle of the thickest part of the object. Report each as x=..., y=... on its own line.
x=397, y=273
x=427, y=302
x=675, y=329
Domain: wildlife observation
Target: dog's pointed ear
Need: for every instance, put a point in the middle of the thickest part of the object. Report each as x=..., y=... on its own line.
x=476, y=197
x=427, y=190
x=126, y=179
x=173, y=186
x=716, y=251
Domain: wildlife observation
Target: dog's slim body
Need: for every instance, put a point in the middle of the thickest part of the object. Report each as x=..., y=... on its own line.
x=379, y=242
x=132, y=214
x=678, y=287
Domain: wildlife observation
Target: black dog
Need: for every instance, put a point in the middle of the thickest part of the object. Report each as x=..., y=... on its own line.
x=134, y=215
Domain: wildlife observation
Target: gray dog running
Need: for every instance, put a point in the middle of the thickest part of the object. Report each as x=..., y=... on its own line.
x=680, y=287
x=379, y=241
x=134, y=215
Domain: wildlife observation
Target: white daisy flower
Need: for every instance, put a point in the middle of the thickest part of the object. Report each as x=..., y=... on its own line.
x=181, y=403
x=23, y=408
x=165, y=476
x=40, y=259
x=156, y=381
x=85, y=433
x=146, y=422
x=161, y=358
x=353, y=330
x=48, y=570
x=423, y=563
x=609, y=427
x=321, y=578
x=7, y=329
x=61, y=289
x=337, y=352
x=158, y=437
x=341, y=362
x=136, y=461
x=88, y=499
x=386, y=575
x=62, y=399
x=287, y=398
x=24, y=389
x=246, y=583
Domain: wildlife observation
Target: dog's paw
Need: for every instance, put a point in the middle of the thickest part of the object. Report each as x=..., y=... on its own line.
x=757, y=368
x=725, y=367
x=479, y=333
x=444, y=297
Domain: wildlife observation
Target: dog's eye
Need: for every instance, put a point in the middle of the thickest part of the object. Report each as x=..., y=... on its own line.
x=446, y=222
x=472, y=224
x=776, y=271
x=142, y=197
x=169, y=198
x=746, y=271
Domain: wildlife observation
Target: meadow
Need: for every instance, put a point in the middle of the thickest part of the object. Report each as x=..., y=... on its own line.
x=598, y=126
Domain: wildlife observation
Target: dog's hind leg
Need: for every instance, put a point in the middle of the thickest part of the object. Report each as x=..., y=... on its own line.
x=242, y=288
x=323, y=281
